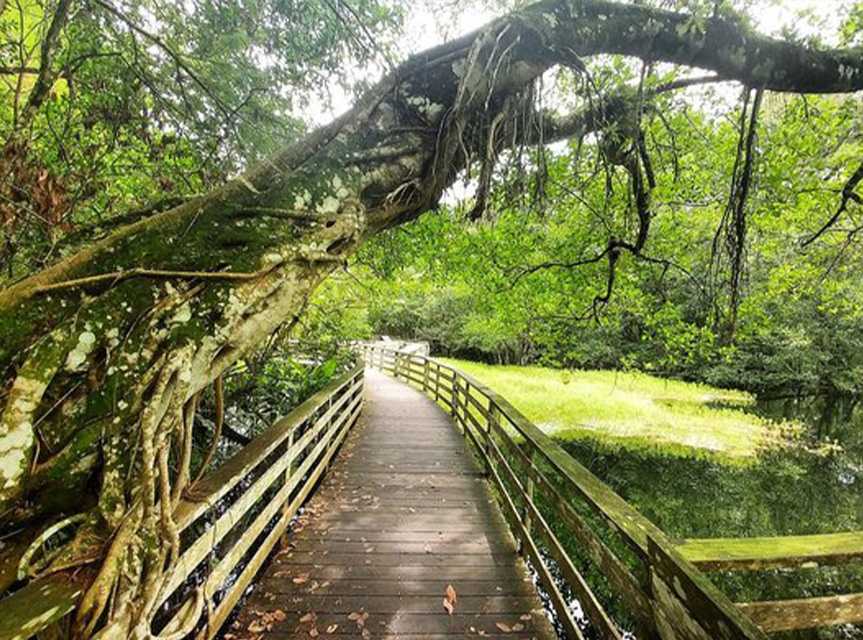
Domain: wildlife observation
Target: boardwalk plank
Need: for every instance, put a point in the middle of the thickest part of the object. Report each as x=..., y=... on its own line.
x=404, y=513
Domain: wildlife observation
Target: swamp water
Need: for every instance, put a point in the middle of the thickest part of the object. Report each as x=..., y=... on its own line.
x=813, y=485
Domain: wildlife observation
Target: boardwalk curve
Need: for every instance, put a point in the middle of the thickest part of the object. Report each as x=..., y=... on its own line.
x=404, y=513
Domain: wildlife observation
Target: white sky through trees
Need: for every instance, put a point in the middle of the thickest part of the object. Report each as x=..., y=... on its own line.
x=431, y=22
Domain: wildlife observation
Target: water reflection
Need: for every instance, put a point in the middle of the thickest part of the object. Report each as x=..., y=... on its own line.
x=814, y=485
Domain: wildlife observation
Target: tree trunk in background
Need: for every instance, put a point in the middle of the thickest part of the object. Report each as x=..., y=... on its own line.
x=104, y=353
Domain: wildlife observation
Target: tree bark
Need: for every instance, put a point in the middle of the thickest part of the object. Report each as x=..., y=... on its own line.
x=103, y=352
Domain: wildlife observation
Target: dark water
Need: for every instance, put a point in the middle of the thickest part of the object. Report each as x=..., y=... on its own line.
x=812, y=486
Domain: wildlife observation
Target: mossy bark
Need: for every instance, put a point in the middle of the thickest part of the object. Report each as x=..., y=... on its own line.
x=103, y=352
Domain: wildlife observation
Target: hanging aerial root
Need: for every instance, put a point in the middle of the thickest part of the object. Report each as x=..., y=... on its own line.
x=189, y=615
x=93, y=604
x=218, y=392
x=26, y=566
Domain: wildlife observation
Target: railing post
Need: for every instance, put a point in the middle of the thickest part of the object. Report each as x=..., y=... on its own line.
x=327, y=434
x=289, y=471
x=492, y=421
x=437, y=382
x=454, y=396
x=465, y=408
x=526, y=511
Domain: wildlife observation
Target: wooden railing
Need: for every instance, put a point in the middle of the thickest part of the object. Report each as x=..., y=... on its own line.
x=787, y=553
x=229, y=527
x=570, y=524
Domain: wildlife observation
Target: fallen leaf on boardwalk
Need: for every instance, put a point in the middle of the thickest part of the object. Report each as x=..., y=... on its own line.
x=524, y=616
x=314, y=633
x=309, y=617
x=279, y=615
x=257, y=626
x=448, y=606
x=354, y=615
x=301, y=579
x=451, y=594
x=517, y=627
x=503, y=627
x=367, y=634
x=332, y=628
x=427, y=548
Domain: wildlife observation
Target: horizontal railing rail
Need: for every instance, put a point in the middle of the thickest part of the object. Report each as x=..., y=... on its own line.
x=786, y=553
x=228, y=527
x=570, y=524
x=777, y=552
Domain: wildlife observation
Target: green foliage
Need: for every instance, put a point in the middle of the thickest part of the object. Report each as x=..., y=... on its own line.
x=158, y=100
x=502, y=290
x=266, y=386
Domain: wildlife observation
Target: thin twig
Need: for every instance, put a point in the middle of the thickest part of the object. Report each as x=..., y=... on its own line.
x=848, y=195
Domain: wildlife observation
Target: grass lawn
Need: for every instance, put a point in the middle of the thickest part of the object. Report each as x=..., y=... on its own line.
x=631, y=409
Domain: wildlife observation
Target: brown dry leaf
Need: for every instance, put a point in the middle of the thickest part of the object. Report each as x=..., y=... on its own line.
x=428, y=548
x=448, y=606
x=451, y=594
x=524, y=616
x=309, y=617
x=332, y=628
x=503, y=627
x=257, y=626
x=366, y=634
x=355, y=615
x=301, y=579
x=314, y=633
x=517, y=627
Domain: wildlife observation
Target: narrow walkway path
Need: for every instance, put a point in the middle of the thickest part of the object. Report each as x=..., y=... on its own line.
x=404, y=513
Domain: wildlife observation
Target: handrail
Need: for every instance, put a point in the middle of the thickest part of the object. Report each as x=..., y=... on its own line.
x=669, y=599
x=231, y=524
x=779, y=552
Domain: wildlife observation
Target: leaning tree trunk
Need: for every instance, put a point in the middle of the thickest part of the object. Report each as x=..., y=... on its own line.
x=104, y=352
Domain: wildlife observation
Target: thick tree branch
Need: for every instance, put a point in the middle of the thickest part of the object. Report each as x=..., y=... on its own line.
x=728, y=48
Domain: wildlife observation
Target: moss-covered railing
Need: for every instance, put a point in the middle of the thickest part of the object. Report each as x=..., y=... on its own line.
x=803, y=553
x=622, y=569
x=228, y=527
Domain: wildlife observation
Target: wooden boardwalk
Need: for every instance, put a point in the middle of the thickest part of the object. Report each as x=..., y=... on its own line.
x=404, y=513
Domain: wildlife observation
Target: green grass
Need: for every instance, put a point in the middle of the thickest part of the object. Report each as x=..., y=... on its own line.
x=632, y=410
